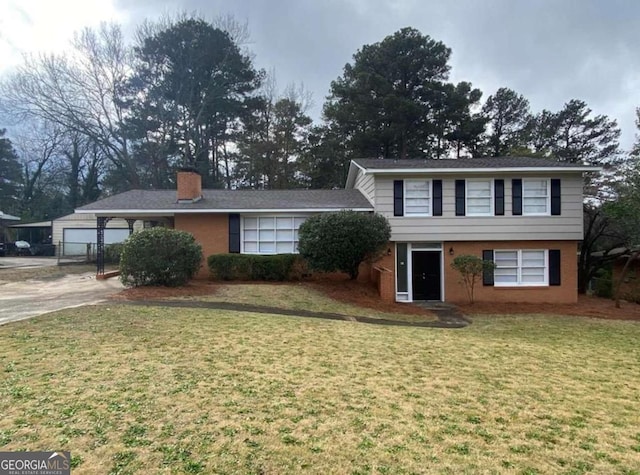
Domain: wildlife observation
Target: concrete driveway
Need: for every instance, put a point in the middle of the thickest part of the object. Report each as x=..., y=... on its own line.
x=25, y=299
x=26, y=262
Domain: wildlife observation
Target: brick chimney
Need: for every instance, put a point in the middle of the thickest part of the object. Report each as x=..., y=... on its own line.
x=189, y=186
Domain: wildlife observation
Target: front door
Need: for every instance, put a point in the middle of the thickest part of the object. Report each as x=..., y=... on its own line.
x=426, y=275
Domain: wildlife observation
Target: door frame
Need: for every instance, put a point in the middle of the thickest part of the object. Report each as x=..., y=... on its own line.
x=424, y=246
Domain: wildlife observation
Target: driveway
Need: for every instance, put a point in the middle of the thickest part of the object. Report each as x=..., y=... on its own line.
x=25, y=299
x=12, y=262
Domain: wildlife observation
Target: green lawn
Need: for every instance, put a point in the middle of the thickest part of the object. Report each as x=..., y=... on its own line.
x=150, y=390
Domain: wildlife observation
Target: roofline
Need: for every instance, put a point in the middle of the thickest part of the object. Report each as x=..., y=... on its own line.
x=216, y=211
x=389, y=171
x=351, y=176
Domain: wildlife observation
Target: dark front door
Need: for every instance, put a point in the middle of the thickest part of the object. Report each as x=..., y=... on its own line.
x=426, y=275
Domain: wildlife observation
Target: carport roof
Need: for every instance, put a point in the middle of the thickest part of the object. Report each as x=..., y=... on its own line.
x=221, y=201
x=8, y=217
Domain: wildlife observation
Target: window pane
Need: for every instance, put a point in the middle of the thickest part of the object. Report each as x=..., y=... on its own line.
x=284, y=247
x=284, y=223
x=267, y=223
x=267, y=235
x=250, y=246
x=534, y=187
x=250, y=223
x=506, y=279
x=284, y=235
x=298, y=221
x=266, y=248
x=478, y=189
x=250, y=235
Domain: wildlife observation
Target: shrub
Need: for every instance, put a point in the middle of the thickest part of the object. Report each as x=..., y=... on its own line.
x=159, y=256
x=471, y=269
x=113, y=252
x=342, y=241
x=278, y=267
x=603, y=283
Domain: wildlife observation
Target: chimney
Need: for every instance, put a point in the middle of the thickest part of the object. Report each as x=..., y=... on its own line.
x=189, y=186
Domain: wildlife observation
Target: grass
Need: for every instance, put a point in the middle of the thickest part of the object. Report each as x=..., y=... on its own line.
x=150, y=390
x=300, y=297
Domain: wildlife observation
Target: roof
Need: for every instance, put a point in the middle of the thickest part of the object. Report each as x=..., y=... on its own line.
x=220, y=201
x=39, y=224
x=8, y=217
x=461, y=165
x=469, y=163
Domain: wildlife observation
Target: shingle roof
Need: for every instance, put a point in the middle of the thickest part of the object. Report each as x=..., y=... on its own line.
x=484, y=162
x=217, y=200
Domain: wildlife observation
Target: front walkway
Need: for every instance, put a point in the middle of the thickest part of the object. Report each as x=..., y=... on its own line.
x=448, y=316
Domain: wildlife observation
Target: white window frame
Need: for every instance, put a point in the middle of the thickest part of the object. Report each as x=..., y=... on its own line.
x=430, y=198
x=519, y=268
x=548, y=197
x=275, y=241
x=491, y=196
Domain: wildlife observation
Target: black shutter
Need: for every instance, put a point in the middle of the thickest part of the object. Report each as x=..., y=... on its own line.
x=498, y=197
x=554, y=266
x=234, y=233
x=516, y=197
x=398, y=197
x=487, y=275
x=460, y=192
x=401, y=264
x=437, y=197
x=555, y=197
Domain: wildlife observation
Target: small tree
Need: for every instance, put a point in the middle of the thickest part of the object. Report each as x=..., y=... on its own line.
x=342, y=241
x=159, y=256
x=471, y=268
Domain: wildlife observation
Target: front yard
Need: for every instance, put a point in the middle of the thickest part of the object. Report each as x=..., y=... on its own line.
x=151, y=390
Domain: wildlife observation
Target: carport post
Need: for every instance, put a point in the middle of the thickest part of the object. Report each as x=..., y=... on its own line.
x=100, y=225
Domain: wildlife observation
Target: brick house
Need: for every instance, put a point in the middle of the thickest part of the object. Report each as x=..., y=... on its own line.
x=523, y=213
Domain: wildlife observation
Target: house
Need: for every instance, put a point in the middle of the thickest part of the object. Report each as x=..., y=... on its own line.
x=523, y=213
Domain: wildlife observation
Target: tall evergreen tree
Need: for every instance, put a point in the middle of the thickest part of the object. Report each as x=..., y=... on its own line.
x=9, y=176
x=507, y=114
x=382, y=102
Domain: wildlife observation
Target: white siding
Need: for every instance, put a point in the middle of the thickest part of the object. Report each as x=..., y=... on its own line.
x=366, y=185
x=84, y=221
x=567, y=226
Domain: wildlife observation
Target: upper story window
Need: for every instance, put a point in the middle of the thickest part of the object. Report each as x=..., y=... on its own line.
x=520, y=267
x=271, y=234
x=535, y=196
x=479, y=197
x=417, y=197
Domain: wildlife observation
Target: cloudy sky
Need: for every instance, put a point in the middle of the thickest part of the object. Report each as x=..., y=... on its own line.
x=549, y=50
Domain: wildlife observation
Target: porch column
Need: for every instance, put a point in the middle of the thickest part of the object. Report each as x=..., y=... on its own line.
x=101, y=225
x=130, y=223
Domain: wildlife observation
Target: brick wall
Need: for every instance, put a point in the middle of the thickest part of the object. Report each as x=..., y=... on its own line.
x=565, y=293
x=210, y=230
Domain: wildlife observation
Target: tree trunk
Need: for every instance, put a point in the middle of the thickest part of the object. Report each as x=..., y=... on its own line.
x=623, y=274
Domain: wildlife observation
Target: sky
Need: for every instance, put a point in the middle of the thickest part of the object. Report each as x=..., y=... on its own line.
x=551, y=51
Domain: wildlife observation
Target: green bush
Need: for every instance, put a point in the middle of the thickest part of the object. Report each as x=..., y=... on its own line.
x=341, y=241
x=603, y=284
x=113, y=252
x=278, y=267
x=159, y=256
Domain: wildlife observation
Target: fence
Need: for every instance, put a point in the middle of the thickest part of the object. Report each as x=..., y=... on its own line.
x=85, y=252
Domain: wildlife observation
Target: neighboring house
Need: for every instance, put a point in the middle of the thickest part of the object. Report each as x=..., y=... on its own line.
x=71, y=233
x=525, y=214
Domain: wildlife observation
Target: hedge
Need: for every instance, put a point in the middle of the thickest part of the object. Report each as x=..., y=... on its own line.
x=278, y=267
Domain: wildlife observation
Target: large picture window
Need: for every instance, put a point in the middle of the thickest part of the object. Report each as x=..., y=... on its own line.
x=521, y=267
x=417, y=197
x=535, y=197
x=271, y=234
x=479, y=197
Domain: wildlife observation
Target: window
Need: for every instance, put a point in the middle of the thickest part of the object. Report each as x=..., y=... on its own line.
x=520, y=267
x=479, y=198
x=271, y=234
x=535, y=196
x=417, y=197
